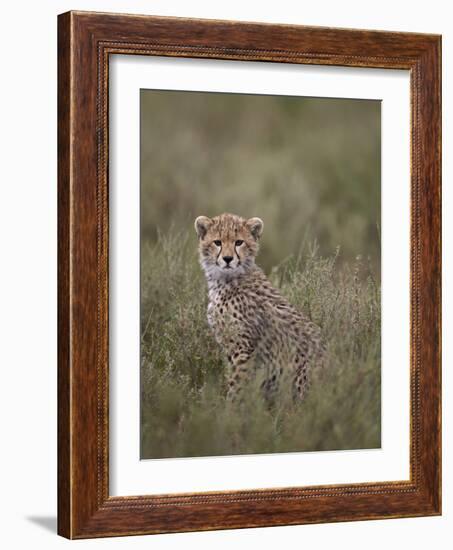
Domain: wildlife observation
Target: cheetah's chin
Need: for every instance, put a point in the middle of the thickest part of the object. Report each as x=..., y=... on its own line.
x=217, y=273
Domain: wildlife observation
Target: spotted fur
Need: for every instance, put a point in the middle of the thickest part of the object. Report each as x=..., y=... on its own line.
x=259, y=331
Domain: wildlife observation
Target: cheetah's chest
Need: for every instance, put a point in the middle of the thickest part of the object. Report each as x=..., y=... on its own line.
x=230, y=309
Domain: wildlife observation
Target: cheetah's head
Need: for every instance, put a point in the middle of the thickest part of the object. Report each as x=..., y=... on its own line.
x=228, y=244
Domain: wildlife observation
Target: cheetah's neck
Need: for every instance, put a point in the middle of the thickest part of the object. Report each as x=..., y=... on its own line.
x=240, y=281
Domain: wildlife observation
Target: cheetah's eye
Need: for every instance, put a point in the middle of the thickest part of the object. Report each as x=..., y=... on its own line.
x=238, y=243
x=218, y=243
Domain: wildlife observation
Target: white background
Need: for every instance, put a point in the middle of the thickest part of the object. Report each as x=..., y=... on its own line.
x=128, y=474
x=28, y=271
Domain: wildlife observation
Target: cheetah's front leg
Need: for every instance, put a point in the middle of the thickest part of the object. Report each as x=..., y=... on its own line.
x=242, y=368
x=301, y=384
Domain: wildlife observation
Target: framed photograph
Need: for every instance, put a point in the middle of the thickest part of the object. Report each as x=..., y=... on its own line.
x=249, y=275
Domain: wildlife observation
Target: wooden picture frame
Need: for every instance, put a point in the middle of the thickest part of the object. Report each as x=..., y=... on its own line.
x=85, y=42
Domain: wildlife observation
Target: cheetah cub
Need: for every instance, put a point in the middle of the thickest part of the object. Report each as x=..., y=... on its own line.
x=259, y=331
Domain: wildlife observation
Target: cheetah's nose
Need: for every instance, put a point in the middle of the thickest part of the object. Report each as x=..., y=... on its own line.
x=227, y=259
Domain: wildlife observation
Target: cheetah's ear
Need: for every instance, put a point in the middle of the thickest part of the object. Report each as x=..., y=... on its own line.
x=255, y=226
x=202, y=224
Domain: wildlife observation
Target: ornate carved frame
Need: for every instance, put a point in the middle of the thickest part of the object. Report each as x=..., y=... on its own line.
x=86, y=41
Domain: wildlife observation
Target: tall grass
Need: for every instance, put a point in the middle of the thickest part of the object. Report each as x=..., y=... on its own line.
x=183, y=407
x=310, y=168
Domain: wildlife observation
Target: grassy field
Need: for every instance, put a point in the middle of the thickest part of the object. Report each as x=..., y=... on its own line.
x=310, y=169
x=184, y=412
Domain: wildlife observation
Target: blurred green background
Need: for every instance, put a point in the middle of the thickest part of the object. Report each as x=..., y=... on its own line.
x=310, y=168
